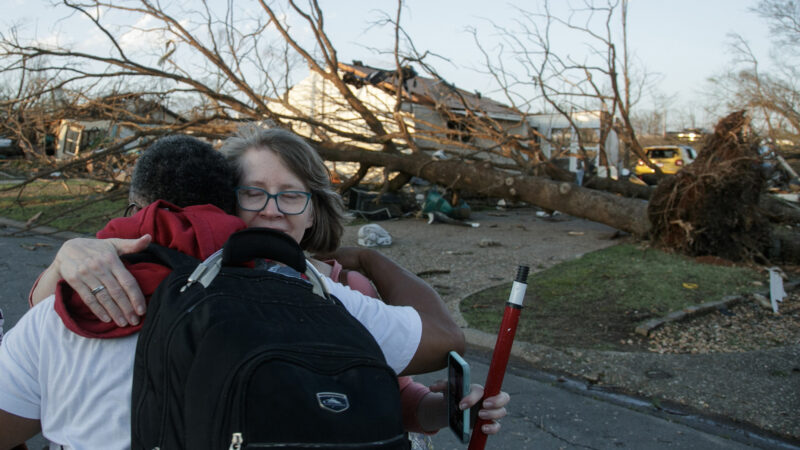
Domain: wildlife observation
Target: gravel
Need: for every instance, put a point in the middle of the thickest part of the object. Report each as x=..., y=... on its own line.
x=744, y=327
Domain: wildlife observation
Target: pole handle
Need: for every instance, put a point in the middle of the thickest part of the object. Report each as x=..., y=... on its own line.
x=502, y=351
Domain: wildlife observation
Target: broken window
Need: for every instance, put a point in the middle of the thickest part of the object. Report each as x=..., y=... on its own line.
x=589, y=136
x=72, y=140
x=561, y=137
x=458, y=131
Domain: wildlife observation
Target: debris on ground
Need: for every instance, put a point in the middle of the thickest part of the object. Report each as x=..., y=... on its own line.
x=450, y=204
x=439, y=217
x=373, y=235
x=746, y=326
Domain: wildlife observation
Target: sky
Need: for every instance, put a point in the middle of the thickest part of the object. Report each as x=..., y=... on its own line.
x=679, y=43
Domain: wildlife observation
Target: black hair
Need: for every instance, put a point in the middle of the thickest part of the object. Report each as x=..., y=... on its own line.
x=185, y=171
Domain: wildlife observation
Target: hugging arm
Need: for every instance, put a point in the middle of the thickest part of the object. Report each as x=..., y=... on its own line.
x=15, y=430
x=424, y=408
x=89, y=263
x=398, y=286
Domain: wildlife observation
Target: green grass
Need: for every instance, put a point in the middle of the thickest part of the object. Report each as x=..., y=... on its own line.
x=82, y=206
x=597, y=300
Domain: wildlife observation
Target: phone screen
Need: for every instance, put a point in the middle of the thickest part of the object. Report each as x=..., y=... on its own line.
x=457, y=388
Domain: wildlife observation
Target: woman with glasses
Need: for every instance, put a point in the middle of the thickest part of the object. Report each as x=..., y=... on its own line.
x=283, y=184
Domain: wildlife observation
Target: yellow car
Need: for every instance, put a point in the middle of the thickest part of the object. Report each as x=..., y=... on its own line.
x=669, y=158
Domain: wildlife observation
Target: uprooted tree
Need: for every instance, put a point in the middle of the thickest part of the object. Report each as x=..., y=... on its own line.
x=712, y=207
x=220, y=68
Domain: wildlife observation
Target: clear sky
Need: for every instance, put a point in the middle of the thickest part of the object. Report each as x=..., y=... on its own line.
x=680, y=42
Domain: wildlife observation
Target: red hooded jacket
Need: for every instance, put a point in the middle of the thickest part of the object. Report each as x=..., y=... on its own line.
x=198, y=231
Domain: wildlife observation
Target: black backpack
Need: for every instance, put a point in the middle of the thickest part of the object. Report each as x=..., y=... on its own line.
x=248, y=358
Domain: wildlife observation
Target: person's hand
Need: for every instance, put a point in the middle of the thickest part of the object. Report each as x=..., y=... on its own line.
x=87, y=264
x=349, y=257
x=492, y=409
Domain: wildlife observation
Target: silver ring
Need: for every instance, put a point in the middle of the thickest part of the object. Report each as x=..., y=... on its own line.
x=98, y=289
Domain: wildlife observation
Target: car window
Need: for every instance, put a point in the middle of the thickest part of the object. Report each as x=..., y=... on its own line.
x=661, y=153
x=691, y=152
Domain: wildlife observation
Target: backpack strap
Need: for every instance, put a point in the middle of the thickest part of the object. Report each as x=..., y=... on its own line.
x=159, y=254
x=242, y=246
x=250, y=243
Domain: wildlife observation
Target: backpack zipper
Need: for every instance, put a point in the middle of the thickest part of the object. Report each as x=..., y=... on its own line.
x=236, y=441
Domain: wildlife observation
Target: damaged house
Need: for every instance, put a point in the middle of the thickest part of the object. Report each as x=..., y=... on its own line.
x=438, y=116
x=444, y=120
x=90, y=126
x=561, y=137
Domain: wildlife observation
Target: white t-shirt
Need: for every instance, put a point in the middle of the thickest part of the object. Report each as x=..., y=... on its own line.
x=80, y=388
x=397, y=329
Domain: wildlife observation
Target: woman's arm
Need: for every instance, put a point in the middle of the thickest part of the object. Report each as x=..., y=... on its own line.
x=86, y=264
x=398, y=286
x=423, y=410
x=15, y=430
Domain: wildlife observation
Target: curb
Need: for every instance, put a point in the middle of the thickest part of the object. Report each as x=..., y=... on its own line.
x=532, y=355
x=646, y=327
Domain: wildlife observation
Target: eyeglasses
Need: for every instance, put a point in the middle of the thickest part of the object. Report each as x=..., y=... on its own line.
x=251, y=198
x=132, y=209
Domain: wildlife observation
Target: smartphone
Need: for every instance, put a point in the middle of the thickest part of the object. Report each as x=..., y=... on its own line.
x=457, y=388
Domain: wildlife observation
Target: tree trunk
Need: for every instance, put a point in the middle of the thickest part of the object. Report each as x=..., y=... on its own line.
x=622, y=187
x=626, y=214
x=780, y=211
x=785, y=245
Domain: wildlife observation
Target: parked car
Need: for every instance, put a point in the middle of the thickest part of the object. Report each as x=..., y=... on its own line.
x=669, y=158
x=9, y=148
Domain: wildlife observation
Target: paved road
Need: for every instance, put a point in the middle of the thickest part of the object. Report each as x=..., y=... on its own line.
x=544, y=414
x=547, y=414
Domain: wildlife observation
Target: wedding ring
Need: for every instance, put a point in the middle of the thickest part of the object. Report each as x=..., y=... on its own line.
x=98, y=289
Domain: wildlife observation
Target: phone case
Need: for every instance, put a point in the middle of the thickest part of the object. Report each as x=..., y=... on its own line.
x=458, y=384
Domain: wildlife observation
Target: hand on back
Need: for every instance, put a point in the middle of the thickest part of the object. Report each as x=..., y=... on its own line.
x=89, y=264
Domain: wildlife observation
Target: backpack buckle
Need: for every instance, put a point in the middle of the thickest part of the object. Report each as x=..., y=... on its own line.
x=206, y=271
x=236, y=441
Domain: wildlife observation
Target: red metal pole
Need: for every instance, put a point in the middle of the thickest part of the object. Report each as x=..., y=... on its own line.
x=502, y=351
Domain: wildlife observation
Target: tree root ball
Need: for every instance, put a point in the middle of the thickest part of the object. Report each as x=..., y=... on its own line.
x=711, y=206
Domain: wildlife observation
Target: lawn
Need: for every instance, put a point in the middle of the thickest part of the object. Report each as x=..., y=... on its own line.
x=78, y=205
x=596, y=301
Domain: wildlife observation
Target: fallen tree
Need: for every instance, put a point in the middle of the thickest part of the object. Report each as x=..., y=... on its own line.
x=712, y=207
x=715, y=206
x=623, y=213
x=487, y=155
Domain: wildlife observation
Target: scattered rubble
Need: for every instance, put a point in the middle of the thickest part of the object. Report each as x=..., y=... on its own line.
x=745, y=326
